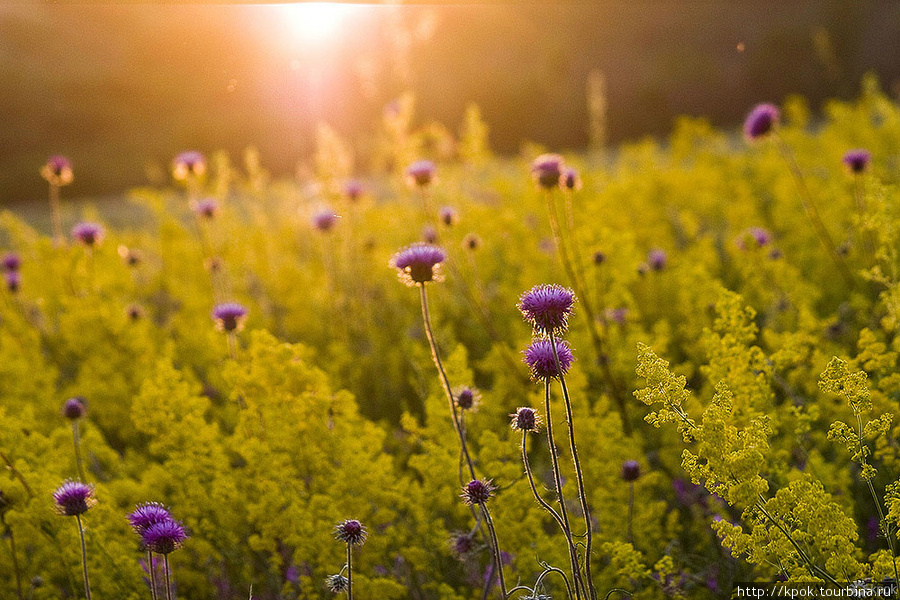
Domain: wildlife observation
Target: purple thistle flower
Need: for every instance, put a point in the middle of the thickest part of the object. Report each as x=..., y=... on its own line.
x=147, y=514
x=74, y=408
x=164, y=537
x=421, y=173
x=599, y=257
x=571, y=179
x=467, y=398
x=89, y=234
x=547, y=307
x=73, y=498
x=206, y=208
x=354, y=189
x=229, y=316
x=539, y=357
x=525, y=419
x=419, y=263
x=616, y=315
x=324, y=220
x=471, y=242
x=13, y=281
x=477, y=491
x=429, y=234
x=292, y=574
x=657, y=259
x=188, y=164
x=547, y=170
x=462, y=544
x=11, y=261
x=134, y=312
x=58, y=170
x=761, y=120
x=350, y=532
x=337, y=583
x=759, y=235
x=448, y=216
x=857, y=161
x=631, y=470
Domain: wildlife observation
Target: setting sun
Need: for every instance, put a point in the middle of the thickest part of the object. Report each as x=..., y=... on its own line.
x=315, y=22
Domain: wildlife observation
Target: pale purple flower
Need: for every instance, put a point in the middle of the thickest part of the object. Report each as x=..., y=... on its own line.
x=58, y=170
x=547, y=170
x=421, y=172
x=857, y=161
x=419, y=263
x=11, y=262
x=229, y=316
x=657, y=259
x=13, y=281
x=539, y=357
x=761, y=120
x=448, y=216
x=354, y=189
x=89, y=234
x=570, y=179
x=74, y=408
x=547, y=307
x=206, y=208
x=429, y=234
x=73, y=498
x=324, y=220
x=188, y=164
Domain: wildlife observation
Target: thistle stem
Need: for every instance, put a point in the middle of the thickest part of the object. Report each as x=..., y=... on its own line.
x=152, y=571
x=630, y=509
x=349, y=573
x=15, y=561
x=87, y=585
x=76, y=437
x=589, y=526
x=496, y=548
x=55, y=215
x=168, y=583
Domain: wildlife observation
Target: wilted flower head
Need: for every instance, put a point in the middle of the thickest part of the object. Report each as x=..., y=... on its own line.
x=229, y=316
x=13, y=281
x=448, y=216
x=421, y=173
x=324, y=220
x=74, y=408
x=354, y=189
x=547, y=307
x=525, y=419
x=857, y=161
x=164, y=537
x=462, y=544
x=539, y=357
x=337, y=583
x=206, y=208
x=11, y=261
x=547, y=170
x=73, y=498
x=89, y=234
x=657, y=259
x=467, y=398
x=350, y=532
x=631, y=470
x=429, y=234
x=761, y=120
x=147, y=514
x=471, y=241
x=188, y=164
x=58, y=170
x=477, y=491
x=571, y=179
x=419, y=263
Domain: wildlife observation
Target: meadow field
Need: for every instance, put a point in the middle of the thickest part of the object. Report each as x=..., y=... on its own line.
x=649, y=371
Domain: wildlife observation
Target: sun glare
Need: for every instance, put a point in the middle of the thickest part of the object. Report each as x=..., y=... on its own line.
x=315, y=22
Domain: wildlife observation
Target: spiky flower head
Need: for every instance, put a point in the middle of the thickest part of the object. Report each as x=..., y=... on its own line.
x=164, y=537
x=471, y=242
x=188, y=164
x=229, y=316
x=13, y=281
x=547, y=307
x=324, y=220
x=350, y=532
x=525, y=419
x=89, y=234
x=337, y=583
x=547, y=170
x=206, y=208
x=421, y=173
x=419, y=263
x=477, y=491
x=467, y=398
x=570, y=179
x=73, y=498
x=539, y=357
x=74, y=408
x=631, y=470
x=761, y=120
x=657, y=259
x=58, y=170
x=857, y=161
x=354, y=189
x=448, y=215
x=462, y=544
x=11, y=261
x=147, y=514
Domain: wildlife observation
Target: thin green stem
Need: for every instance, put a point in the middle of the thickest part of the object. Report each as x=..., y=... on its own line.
x=77, y=439
x=87, y=585
x=582, y=496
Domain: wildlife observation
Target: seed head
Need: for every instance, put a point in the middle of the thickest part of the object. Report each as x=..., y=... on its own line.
x=525, y=419
x=547, y=307
x=229, y=316
x=337, y=583
x=89, y=234
x=419, y=263
x=74, y=408
x=58, y=170
x=73, y=498
x=467, y=398
x=188, y=164
x=539, y=357
x=350, y=532
x=857, y=161
x=164, y=537
x=547, y=170
x=421, y=173
x=761, y=120
x=477, y=491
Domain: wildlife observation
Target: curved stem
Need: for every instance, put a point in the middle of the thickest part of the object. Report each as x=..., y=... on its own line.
x=349, y=573
x=436, y=357
x=77, y=439
x=589, y=526
x=87, y=586
x=496, y=547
